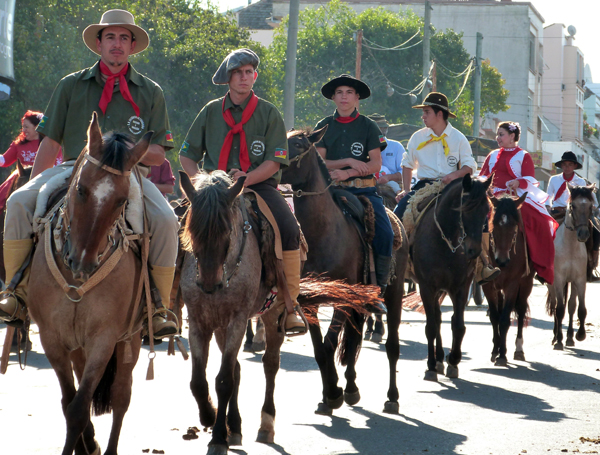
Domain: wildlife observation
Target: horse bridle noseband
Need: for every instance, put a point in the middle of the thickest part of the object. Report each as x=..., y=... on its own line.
x=300, y=193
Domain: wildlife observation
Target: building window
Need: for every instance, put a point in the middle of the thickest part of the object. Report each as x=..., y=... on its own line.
x=531, y=123
x=532, y=53
x=539, y=127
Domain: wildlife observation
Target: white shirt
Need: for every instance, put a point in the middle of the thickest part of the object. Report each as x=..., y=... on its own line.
x=555, y=183
x=391, y=157
x=431, y=161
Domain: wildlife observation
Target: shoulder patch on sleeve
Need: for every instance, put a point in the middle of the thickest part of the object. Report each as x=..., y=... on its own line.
x=280, y=153
x=184, y=147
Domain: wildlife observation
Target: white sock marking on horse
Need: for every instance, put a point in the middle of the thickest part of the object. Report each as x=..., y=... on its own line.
x=519, y=344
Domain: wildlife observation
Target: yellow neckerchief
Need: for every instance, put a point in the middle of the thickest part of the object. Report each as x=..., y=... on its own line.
x=436, y=139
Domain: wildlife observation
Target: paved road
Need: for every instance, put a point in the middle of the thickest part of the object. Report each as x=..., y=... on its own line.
x=541, y=406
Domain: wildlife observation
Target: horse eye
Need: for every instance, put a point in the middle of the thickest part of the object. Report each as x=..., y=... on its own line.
x=80, y=190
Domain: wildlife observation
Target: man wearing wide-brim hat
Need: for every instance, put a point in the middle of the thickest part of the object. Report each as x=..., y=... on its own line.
x=351, y=148
x=558, y=199
x=245, y=136
x=436, y=152
x=126, y=102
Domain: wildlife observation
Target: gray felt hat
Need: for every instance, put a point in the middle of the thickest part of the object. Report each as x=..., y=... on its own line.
x=234, y=60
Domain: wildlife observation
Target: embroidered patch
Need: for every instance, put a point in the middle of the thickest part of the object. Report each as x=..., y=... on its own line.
x=381, y=139
x=135, y=124
x=258, y=148
x=452, y=161
x=184, y=147
x=281, y=153
x=357, y=149
x=42, y=123
x=169, y=136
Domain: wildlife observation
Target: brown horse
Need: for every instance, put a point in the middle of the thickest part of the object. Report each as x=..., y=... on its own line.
x=510, y=290
x=224, y=281
x=336, y=251
x=444, y=249
x=570, y=262
x=86, y=333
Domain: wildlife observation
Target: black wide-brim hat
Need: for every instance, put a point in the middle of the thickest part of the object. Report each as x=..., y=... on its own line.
x=438, y=100
x=363, y=90
x=569, y=156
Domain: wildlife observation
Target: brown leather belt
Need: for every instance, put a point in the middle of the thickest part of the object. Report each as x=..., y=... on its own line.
x=358, y=183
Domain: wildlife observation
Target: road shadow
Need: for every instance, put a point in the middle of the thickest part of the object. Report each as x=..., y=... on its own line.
x=547, y=375
x=37, y=360
x=397, y=437
x=289, y=361
x=500, y=400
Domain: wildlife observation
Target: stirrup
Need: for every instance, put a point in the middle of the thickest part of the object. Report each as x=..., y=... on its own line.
x=293, y=331
x=17, y=319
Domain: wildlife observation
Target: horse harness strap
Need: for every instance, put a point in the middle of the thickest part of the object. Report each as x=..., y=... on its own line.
x=112, y=170
x=522, y=228
x=461, y=238
x=247, y=227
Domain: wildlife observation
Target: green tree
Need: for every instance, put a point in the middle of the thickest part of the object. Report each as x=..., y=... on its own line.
x=326, y=49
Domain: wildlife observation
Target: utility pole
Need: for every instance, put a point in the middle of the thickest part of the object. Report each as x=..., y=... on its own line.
x=434, y=77
x=359, y=37
x=289, y=89
x=477, y=85
x=426, y=48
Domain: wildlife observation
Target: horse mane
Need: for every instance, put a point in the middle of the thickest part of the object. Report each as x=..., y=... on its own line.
x=477, y=193
x=116, y=150
x=581, y=191
x=210, y=218
x=303, y=133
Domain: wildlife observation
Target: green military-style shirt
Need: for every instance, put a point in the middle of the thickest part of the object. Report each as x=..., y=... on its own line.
x=350, y=140
x=265, y=131
x=77, y=95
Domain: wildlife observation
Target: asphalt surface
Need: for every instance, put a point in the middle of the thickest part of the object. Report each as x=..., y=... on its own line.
x=548, y=404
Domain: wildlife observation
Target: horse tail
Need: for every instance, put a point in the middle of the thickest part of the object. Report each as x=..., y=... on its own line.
x=353, y=325
x=551, y=301
x=101, y=401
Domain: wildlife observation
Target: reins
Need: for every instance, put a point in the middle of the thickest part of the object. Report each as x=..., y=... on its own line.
x=300, y=193
x=462, y=237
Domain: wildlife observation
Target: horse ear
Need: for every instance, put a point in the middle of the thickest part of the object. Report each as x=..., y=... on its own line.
x=489, y=181
x=236, y=189
x=140, y=149
x=467, y=183
x=186, y=185
x=494, y=201
x=317, y=135
x=94, y=144
x=570, y=187
x=592, y=187
x=519, y=202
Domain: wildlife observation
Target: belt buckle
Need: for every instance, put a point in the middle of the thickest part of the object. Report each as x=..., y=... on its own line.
x=358, y=183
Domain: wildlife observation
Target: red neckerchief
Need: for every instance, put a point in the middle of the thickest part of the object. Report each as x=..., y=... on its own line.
x=348, y=119
x=109, y=86
x=563, y=187
x=237, y=128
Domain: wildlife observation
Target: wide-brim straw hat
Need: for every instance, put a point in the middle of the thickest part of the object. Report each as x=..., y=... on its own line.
x=569, y=156
x=438, y=100
x=116, y=18
x=363, y=90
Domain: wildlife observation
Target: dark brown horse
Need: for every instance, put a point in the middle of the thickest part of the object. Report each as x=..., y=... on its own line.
x=509, y=292
x=224, y=282
x=87, y=333
x=446, y=243
x=336, y=250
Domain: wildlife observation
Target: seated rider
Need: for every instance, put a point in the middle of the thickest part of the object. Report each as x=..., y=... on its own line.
x=127, y=102
x=558, y=198
x=391, y=159
x=244, y=135
x=351, y=148
x=439, y=152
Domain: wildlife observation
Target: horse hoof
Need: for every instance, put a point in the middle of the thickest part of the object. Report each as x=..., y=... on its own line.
x=217, y=449
x=569, y=343
x=493, y=358
x=335, y=403
x=258, y=347
x=234, y=439
x=431, y=376
x=558, y=346
x=519, y=355
x=323, y=410
x=391, y=407
x=352, y=398
x=248, y=347
x=554, y=340
x=452, y=372
x=439, y=367
x=368, y=336
x=501, y=362
x=377, y=337
x=265, y=437
x=580, y=336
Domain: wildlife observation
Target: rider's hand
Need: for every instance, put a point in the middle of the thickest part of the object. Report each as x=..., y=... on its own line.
x=339, y=174
x=236, y=174
x=400, y=195
x=512, y=185
x=359, y=166
x=383, y=179
x=447, y=179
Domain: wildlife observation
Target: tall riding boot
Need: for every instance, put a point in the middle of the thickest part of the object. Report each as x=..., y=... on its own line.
x=163, y=279
x=382, y=273
x=484, y=271
x=291, y=268
x=13, y=308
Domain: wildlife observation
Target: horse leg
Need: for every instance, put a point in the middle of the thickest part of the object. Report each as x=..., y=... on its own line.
x=120, y=391
x=494, y=298
x=440, y=355
x=319, y=352
x=432, y=329
x=199, y=346
x=504, y=324
x=582, y=311
x=572, y=306
x=559, y=314
x=271, y=357
x=379, y=331
x=258, y=341
x=352, y=342
x=522, y=307
x=459, y=302
x=88, y=435
x=392, y=345
x=334, y=395
x=249, y=337
x=369, y=330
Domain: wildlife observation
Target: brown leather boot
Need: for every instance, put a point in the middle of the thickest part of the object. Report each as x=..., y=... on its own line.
x=13, y=308
x=484, y=271
x=294, y=325
x=163, y=279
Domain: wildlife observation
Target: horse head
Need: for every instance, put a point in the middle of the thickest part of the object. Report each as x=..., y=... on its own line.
x=97, y=194
x=300, y=144
x=504, y=226
x=474, y=209
x=581, y=202
x=209, y=226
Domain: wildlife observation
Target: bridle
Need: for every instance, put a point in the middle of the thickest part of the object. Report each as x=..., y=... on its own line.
x=298, y=158
x=463, y=236
x=569, y=214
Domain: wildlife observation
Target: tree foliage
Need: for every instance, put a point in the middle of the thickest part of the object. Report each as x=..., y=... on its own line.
x=326, y=49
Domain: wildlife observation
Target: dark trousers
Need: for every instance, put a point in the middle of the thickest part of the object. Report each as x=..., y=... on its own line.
x=286, y=221
x=384, y=234
x=401, y=207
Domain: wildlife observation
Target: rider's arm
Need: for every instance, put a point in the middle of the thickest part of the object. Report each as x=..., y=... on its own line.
x=155, y=156
x=189, y=165
x=46, y=156
x=457, y=174
x=263, y=172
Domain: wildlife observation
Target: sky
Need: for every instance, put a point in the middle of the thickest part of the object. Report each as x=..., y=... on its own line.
x=583, y=14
